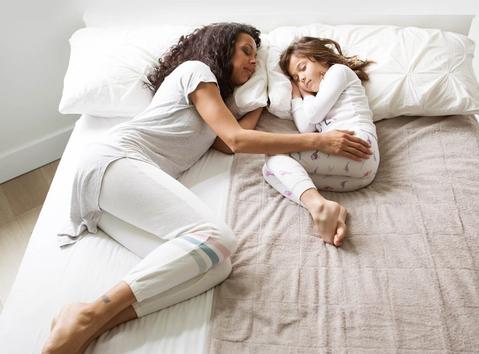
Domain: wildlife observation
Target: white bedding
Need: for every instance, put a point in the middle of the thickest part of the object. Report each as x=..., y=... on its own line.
x=50, y=277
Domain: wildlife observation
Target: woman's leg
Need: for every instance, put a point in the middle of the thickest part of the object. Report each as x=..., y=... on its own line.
x=77, y=323
x=142, y=243
x=193, y=242
x=124, y=316
x=191, y=239
x=182, y=292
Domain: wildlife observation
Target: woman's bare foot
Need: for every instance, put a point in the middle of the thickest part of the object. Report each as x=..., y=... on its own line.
x=71, y=329
x=78, y=324
x=328, y=216
x=126, y=315
x=85, y=346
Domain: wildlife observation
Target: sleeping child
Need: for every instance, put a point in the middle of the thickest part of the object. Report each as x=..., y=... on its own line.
x=328, y=97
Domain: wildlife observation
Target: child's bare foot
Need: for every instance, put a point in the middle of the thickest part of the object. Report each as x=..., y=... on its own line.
x=341, y=227
x=325, y=217
x=71, y=329
x=328, y=216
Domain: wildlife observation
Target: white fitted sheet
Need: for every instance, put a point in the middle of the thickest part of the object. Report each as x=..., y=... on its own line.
x=50, y=277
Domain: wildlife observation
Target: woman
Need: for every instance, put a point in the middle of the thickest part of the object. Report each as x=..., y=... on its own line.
x=327, y=95
x=187, y=249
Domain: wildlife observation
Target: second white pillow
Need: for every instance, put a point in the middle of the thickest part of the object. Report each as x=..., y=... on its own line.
x=417, y=71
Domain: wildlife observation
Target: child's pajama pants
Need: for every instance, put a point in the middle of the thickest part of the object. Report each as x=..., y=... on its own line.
x=293, y=174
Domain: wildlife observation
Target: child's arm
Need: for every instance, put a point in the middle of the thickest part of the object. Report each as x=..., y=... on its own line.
x=313, y=109
x=299, y=117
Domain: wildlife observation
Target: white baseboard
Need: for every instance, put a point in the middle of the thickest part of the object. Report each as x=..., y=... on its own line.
x=35, y=154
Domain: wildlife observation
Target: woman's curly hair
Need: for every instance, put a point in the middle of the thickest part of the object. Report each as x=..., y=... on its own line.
x=213, y=45
x=323, y=50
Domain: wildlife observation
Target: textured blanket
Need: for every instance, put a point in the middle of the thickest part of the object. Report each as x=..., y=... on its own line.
x=406, y=279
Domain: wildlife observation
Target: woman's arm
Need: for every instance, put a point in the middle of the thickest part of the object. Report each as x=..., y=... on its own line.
x=248, y=121
x=212, y=109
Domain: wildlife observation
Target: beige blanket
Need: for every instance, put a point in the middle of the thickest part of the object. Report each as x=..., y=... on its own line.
x=405, y=281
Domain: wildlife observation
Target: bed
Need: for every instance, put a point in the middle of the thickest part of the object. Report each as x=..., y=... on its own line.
x=405, y=281
x=49, y=277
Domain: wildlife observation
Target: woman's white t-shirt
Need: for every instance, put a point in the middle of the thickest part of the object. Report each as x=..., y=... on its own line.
x=169, y=133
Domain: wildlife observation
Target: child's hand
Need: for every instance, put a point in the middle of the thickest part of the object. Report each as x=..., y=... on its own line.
x=304, y=93
x=296, y=90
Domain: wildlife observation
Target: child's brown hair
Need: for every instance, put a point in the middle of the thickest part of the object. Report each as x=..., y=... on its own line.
x=323, y=50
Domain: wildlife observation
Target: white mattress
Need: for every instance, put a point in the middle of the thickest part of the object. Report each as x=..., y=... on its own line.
x=50, y=277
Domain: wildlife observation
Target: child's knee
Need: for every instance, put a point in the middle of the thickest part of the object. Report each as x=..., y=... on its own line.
x=273, y=162
x=267, y=173
x=371, y=165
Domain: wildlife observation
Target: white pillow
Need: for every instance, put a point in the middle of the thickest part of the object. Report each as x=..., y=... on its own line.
x=474, y=35
x=417, y=71
x=109, y=65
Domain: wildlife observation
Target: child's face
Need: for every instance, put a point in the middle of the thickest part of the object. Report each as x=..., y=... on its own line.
x=306, y=73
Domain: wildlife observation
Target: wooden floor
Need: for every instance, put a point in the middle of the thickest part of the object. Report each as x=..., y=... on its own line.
x=21, y=200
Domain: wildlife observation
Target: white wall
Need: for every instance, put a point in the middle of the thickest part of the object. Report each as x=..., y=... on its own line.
x=33, y=60
x=34, y=55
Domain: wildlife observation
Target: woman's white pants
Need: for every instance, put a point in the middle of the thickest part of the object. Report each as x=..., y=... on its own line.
x=185, y=248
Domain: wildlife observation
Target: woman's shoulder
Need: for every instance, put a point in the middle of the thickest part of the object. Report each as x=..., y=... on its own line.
x=193, y=66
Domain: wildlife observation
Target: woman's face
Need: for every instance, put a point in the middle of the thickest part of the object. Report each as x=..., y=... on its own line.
x=244, y=59
x=306, y=73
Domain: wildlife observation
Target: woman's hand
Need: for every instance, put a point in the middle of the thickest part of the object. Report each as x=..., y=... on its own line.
x=344, y=143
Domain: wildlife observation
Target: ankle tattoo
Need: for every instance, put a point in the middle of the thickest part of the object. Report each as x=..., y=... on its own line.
x=105, y=299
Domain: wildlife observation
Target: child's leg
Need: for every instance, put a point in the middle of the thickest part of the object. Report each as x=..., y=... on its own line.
x=341, y=183
x=292, y=175
x=337, y=173
x=288, y=176
x=294, y=179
